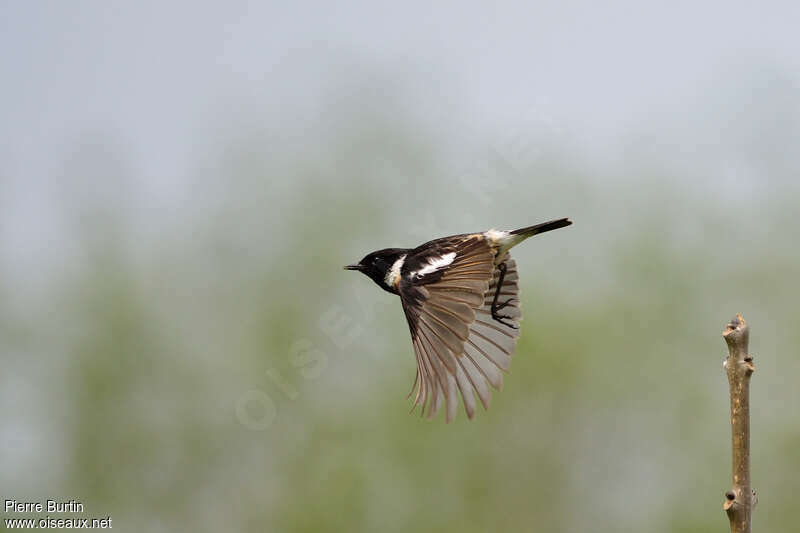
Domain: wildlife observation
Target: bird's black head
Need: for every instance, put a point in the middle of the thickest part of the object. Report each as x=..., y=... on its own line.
x=378, y=264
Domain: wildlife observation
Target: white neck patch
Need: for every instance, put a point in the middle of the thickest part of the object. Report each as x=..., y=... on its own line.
x=435, y=263
x=393, y=276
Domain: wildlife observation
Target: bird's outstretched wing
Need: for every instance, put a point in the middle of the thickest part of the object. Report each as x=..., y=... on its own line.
x=458, y=345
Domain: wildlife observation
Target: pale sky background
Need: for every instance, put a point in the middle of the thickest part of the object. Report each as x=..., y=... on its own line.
x=165, y=81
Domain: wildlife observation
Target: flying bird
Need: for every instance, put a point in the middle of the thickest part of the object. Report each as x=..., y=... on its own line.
x=460, y=295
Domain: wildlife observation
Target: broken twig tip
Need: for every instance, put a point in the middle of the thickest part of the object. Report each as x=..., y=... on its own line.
x=736, y=323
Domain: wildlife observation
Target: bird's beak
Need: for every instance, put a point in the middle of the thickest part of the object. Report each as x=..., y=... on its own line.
x=353, y=267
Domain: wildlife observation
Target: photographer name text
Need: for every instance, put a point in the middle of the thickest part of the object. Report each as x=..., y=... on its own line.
x=50, y=506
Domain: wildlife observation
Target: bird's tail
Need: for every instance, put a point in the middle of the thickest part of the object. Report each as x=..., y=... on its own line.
x=513, y=238
x=530, y=231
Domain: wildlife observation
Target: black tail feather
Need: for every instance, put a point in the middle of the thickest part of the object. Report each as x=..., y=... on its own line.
x=530, y=231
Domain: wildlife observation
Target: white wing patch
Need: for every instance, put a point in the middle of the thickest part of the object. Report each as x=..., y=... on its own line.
x=435, y=263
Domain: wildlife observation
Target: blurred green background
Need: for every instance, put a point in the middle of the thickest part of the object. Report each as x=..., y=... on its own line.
x=180, y=186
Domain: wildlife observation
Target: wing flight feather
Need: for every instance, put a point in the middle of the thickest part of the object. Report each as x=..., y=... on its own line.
x=459, y=347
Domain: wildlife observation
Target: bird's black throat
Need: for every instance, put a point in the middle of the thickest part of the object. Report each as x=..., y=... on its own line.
x=378, y=264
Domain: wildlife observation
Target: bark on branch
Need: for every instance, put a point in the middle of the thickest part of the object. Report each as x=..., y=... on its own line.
x=740, y=500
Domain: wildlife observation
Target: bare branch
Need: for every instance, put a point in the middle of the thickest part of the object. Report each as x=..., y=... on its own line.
x=740, y=500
